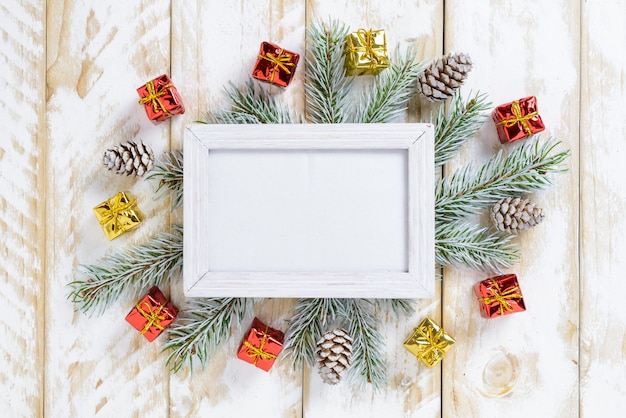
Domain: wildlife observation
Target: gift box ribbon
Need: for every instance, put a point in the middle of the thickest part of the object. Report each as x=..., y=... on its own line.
x=434, y=340
x=281, y=61
x=116, y=208
x=497, y=295
x=519, y=118
x=154, y=317
x=366, y=39
x=257, y=352
x=153, y=96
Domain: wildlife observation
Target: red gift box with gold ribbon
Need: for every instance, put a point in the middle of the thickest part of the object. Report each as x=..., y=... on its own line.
x=275, y=65
x=261, y=346
x=500, y=295
x=518, y=119
x=160, y=99
x=152, y=314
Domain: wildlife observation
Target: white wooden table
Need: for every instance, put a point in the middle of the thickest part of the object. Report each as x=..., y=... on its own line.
x=68, y=73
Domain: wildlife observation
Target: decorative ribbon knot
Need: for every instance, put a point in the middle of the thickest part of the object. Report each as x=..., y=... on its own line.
x=115, y=209
x=257, y=352
x=281, y=61
x=517, y=112
x=497, y=295
x=434, y=340
x=367, y=41
x=153, y=96
x=154, y=317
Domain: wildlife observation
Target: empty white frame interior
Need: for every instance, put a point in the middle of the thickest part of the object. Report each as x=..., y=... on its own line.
x=309, y=210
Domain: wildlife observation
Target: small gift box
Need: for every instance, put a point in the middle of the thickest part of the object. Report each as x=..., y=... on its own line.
x=160, y=99
x=118, y=215
x=429, y=343
x=499, y=296
x=275, y=65
x=366, y=52
x=152, y=314
x=261, y=346
x=518, y=119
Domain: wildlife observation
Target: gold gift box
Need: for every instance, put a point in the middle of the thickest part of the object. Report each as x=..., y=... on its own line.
x=366, y=52
x=118, y=215
x=429, y=343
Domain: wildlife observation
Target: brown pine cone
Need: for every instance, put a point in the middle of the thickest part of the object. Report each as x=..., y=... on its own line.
x=514, y=214
x=130, y=158
x=333, y=354
x=444, y=76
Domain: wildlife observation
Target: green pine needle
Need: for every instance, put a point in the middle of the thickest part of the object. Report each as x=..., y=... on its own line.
x=458, y=124
x=169, y=172
x=463, y=245
x=470, y=189
x=128, y=273
x=201, y=328
x=391, y=91
x=400, y=307
x=326, y=87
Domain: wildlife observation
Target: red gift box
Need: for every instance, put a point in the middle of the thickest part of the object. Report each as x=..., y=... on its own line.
x=261, y=346
x=152, y=314
x=160, y=99
x=518, y=119
x=275, y=65
x=500, y=295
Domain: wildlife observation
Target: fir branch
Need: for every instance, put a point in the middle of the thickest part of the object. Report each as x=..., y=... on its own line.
x=460, y=244
x=251, y=104
x=368, y=357
x=169, y=172
x=391, y=91
x=306, y=327
x=129, y=272
x=201, y=328
x=325, y=85
x=469, y=189
x=458, y=124
x=400, y=307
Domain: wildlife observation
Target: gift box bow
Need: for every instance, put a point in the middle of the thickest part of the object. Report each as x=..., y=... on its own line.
x=497, y=295
x=519, y=118
x=433, y=340
x=366, y=45
x=154, y=95
x=258, y=352
x=154, y=316
x=115, y=209
x=281, y=61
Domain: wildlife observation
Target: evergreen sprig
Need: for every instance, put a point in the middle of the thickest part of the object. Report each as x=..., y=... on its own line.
x=470, y=189
x=391, y=91
x=250, y=104
x=326, y=89
x=200, y=329
x=169, y=173
x=400, y=307
x=458, y=124
x=128, y=273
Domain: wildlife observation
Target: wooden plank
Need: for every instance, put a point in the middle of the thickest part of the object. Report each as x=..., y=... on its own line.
x=97, y=56
x=214, y=43
x=603, y=199
x=524, y=364
x=22, y=215
x=414, y=389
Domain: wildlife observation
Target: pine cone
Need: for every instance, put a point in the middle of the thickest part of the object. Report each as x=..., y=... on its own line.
x=439, y=81
x=514, y=214
x=333, y=354
x=129, y=158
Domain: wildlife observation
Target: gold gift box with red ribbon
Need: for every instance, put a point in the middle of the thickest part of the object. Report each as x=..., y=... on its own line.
x=160, y=99
x=500, y=295
x=366, y=52
x=118, y=215
x=518, y=119
x=261, y=346
x=275, y=65
x=152, y=314
x=429, y=342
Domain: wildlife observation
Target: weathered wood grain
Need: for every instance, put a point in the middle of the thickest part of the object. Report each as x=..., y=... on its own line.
x=98, y=54
x=414, y=389
x=603, y=204
x=22, y=204
x=524, y=364
x=214, y=43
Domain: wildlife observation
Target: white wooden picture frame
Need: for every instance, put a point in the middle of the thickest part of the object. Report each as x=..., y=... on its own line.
x=307, y=210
